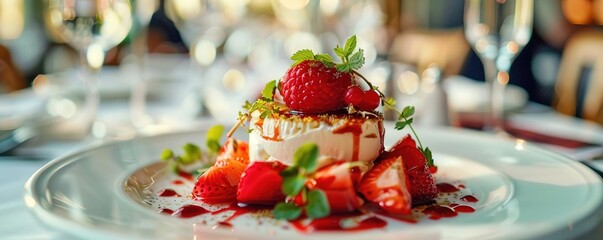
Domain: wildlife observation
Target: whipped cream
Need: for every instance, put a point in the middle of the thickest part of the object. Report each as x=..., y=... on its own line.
x=342, y=138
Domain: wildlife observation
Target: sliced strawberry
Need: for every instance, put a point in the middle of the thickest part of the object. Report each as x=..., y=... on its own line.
x=261, y=183
x=386, y=184
x=234, y=149
x=219, y=183
x=395, y=150
x=422, y=184
x=337, y=183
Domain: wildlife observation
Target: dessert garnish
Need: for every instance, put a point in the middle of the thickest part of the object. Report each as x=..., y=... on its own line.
x=316, y=151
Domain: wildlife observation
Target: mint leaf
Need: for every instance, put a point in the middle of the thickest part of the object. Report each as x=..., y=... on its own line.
x=268, y=91
x=212, y=138
x=192, y=153
x=302, y=55
x=167, y=154
x=318, y=204
x=325, y=59
x=288, y=211
x=340, y=52
x=344, y=67
x=357, y=59
x=289, y=171
x=350, y=45
x=292, y=185
x=305, y=157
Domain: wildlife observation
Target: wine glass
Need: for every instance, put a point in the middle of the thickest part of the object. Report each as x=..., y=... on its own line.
x=143, y=12
x=497, y=31
x=91, y=27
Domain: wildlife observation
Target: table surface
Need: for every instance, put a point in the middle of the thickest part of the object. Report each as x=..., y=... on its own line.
x=18, y=222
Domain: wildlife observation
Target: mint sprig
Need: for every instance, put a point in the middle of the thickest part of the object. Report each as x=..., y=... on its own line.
x=351, y=59
x=295, y=177
x=192, y=153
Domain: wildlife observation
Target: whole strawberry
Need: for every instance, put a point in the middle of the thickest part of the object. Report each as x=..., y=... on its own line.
x=312, y=87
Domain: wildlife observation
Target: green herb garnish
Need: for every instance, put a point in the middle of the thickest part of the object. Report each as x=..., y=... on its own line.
x=295, y=177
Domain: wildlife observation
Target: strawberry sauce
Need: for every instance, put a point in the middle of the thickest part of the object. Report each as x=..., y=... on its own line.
x=354, y=127
x=177, y=182
x=447, y=188
x=189, y=211
x=342, y=222
x=168, y=193
x=186, y=175
x=469, y=198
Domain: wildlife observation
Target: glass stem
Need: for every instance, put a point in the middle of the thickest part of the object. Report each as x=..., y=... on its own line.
x=89, y=75
x=139, y=86
x=490, y=116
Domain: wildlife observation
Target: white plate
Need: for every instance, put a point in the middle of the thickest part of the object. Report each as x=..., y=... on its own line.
x=524, y=192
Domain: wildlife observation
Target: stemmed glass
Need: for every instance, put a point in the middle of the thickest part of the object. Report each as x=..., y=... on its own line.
x=143, y=12
x=497, y=30
x=91, y=27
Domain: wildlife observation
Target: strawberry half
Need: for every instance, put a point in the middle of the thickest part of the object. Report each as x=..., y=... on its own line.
x=386, y=184
x=261, y=183
x=337, y=183
x=422, y=184
x=395, y=150
x=423, y=188
x=219, y=183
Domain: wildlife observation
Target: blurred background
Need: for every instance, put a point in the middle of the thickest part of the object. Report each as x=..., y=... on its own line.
x=186, y=59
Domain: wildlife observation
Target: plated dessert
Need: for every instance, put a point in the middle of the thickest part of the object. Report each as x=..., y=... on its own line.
x=315, y=157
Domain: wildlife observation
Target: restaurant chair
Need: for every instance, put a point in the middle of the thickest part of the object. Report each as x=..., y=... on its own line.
x=579, y=86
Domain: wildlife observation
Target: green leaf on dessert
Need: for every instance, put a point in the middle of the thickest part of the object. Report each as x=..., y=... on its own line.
x=268, y=91
x=350, y=45
x=306, y=157
x=407, y=112
x=292, y=185
x=174, y=166
x=400, y=125
x=212, y=138
x=357, y=59
x=325, y=59
x=318, y=204
x=302, y=55
x=288, y=211
x=344, y=67
x=339, y=52
x=167, y=154
x=290, y=171
x=191, y=154
x=428, y=156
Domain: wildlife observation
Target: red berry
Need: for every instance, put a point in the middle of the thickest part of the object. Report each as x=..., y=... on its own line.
x=311, y=87
x=261, y=184
x=387, y=185
x=354, y=96
x=370, y=101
